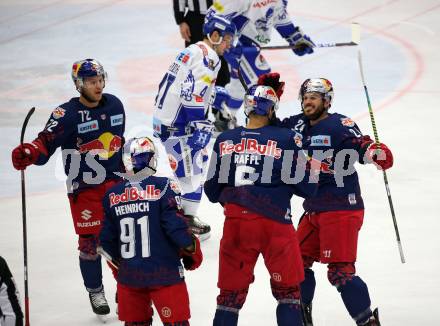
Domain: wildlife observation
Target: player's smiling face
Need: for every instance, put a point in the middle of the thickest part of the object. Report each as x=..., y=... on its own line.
x=314, y=105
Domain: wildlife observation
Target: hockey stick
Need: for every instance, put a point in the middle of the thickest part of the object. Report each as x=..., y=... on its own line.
x=385, y=178
x=107, y=257
x=355, y=38
x=23, y=211
x=241, y=78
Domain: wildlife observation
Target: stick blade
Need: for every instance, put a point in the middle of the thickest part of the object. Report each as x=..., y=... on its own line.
x=355, y=33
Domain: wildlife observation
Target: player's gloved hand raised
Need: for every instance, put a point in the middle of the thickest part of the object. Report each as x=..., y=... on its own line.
x=233, y=56
x=272, y=79
x=219, y=102
x=27, y=154
x=192, y=258
x=302, y=44
x=377, y=153
x=202, y=134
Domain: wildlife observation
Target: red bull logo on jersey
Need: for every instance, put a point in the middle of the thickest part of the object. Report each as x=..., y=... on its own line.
x=251, y=146
x=133, y=194
x=347, y=122
x=105, y=146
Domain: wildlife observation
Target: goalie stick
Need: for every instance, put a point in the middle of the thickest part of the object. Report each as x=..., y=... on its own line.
x=23, y=211
x=355, y=38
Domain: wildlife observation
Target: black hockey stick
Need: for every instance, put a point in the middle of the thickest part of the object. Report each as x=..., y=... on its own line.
x=355, y=39
x=23, y=211
x=241, y=78
x=385, y=178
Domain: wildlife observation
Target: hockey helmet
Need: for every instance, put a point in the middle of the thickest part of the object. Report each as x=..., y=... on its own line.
x=317, y=85
x=219, y=23
x=260, y=99
x=86, y=68
x=140, y=154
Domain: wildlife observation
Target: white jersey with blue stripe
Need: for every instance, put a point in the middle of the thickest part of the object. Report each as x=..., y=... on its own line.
x=186, y=87
x=254, y=19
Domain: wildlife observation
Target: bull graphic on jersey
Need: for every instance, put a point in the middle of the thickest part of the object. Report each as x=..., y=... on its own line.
x=106, y=145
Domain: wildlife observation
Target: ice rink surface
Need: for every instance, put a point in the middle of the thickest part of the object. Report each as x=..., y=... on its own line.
x=136, y=41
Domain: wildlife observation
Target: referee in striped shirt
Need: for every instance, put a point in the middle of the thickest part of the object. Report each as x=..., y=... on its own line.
x=10, y=310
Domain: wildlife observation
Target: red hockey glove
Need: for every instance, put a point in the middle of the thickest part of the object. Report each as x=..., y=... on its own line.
x=379, y=154
x=192, y=259
x=272, y=79
x=27, y=154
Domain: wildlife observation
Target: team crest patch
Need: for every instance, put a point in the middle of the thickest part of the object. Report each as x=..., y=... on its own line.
x=347, y=122
x=298, y=139
x=59, y=112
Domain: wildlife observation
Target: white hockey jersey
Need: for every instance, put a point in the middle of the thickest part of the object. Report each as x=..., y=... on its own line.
x=255, y=18
x=185, y=90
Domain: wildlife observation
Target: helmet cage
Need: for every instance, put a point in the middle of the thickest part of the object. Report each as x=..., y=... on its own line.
x=140, y=155
x=260, y=99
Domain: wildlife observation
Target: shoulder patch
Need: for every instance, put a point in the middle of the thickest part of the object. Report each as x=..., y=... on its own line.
x=116, y=120
x=183, y=56
x=59, y=112
x=347, y=122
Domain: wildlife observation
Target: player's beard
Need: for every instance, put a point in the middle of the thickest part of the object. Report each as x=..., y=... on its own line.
x=89, y=98
x=316, y=114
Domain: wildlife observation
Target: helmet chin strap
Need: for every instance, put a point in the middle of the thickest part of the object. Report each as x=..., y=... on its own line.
x=214, y=43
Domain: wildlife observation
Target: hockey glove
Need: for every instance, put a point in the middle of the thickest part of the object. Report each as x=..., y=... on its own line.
x=377, y=153
x=233, y=56
x=193, y=257
x=272, y=79
x=202, y=134
x=27, y=154
x=220, y=99
x=302, y=44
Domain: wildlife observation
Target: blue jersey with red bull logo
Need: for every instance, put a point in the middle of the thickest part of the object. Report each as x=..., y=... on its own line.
x=143, y=231
x=90, y=140
x=259, y=169
x=333, y=146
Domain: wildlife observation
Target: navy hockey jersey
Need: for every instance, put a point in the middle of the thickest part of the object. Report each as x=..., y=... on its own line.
x=90, y=139
x=143, y=231
x=257, y=169
x=334, y=143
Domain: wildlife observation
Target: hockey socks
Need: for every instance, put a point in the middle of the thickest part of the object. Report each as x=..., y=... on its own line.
x=91, y=272
x=226, y=317
x=289, y=314
x=308, y=286
x=356, y=299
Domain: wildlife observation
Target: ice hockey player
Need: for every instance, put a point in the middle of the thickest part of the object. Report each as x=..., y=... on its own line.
x=89, y=129
x=249, y=166
x=146, y=235
x=179, y=118
x=328, y=232
x=10, y=310
x=255, y=21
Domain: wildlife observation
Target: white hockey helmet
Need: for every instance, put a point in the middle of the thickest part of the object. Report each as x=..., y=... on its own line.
x=259, y=99
x=140, y=155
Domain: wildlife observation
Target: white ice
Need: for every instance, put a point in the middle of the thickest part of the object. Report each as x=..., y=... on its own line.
x=136, y=40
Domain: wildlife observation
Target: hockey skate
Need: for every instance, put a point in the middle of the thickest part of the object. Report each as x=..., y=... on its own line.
x=99, y=303
x=307, y=314
x=198, y=228
x=374, y=320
